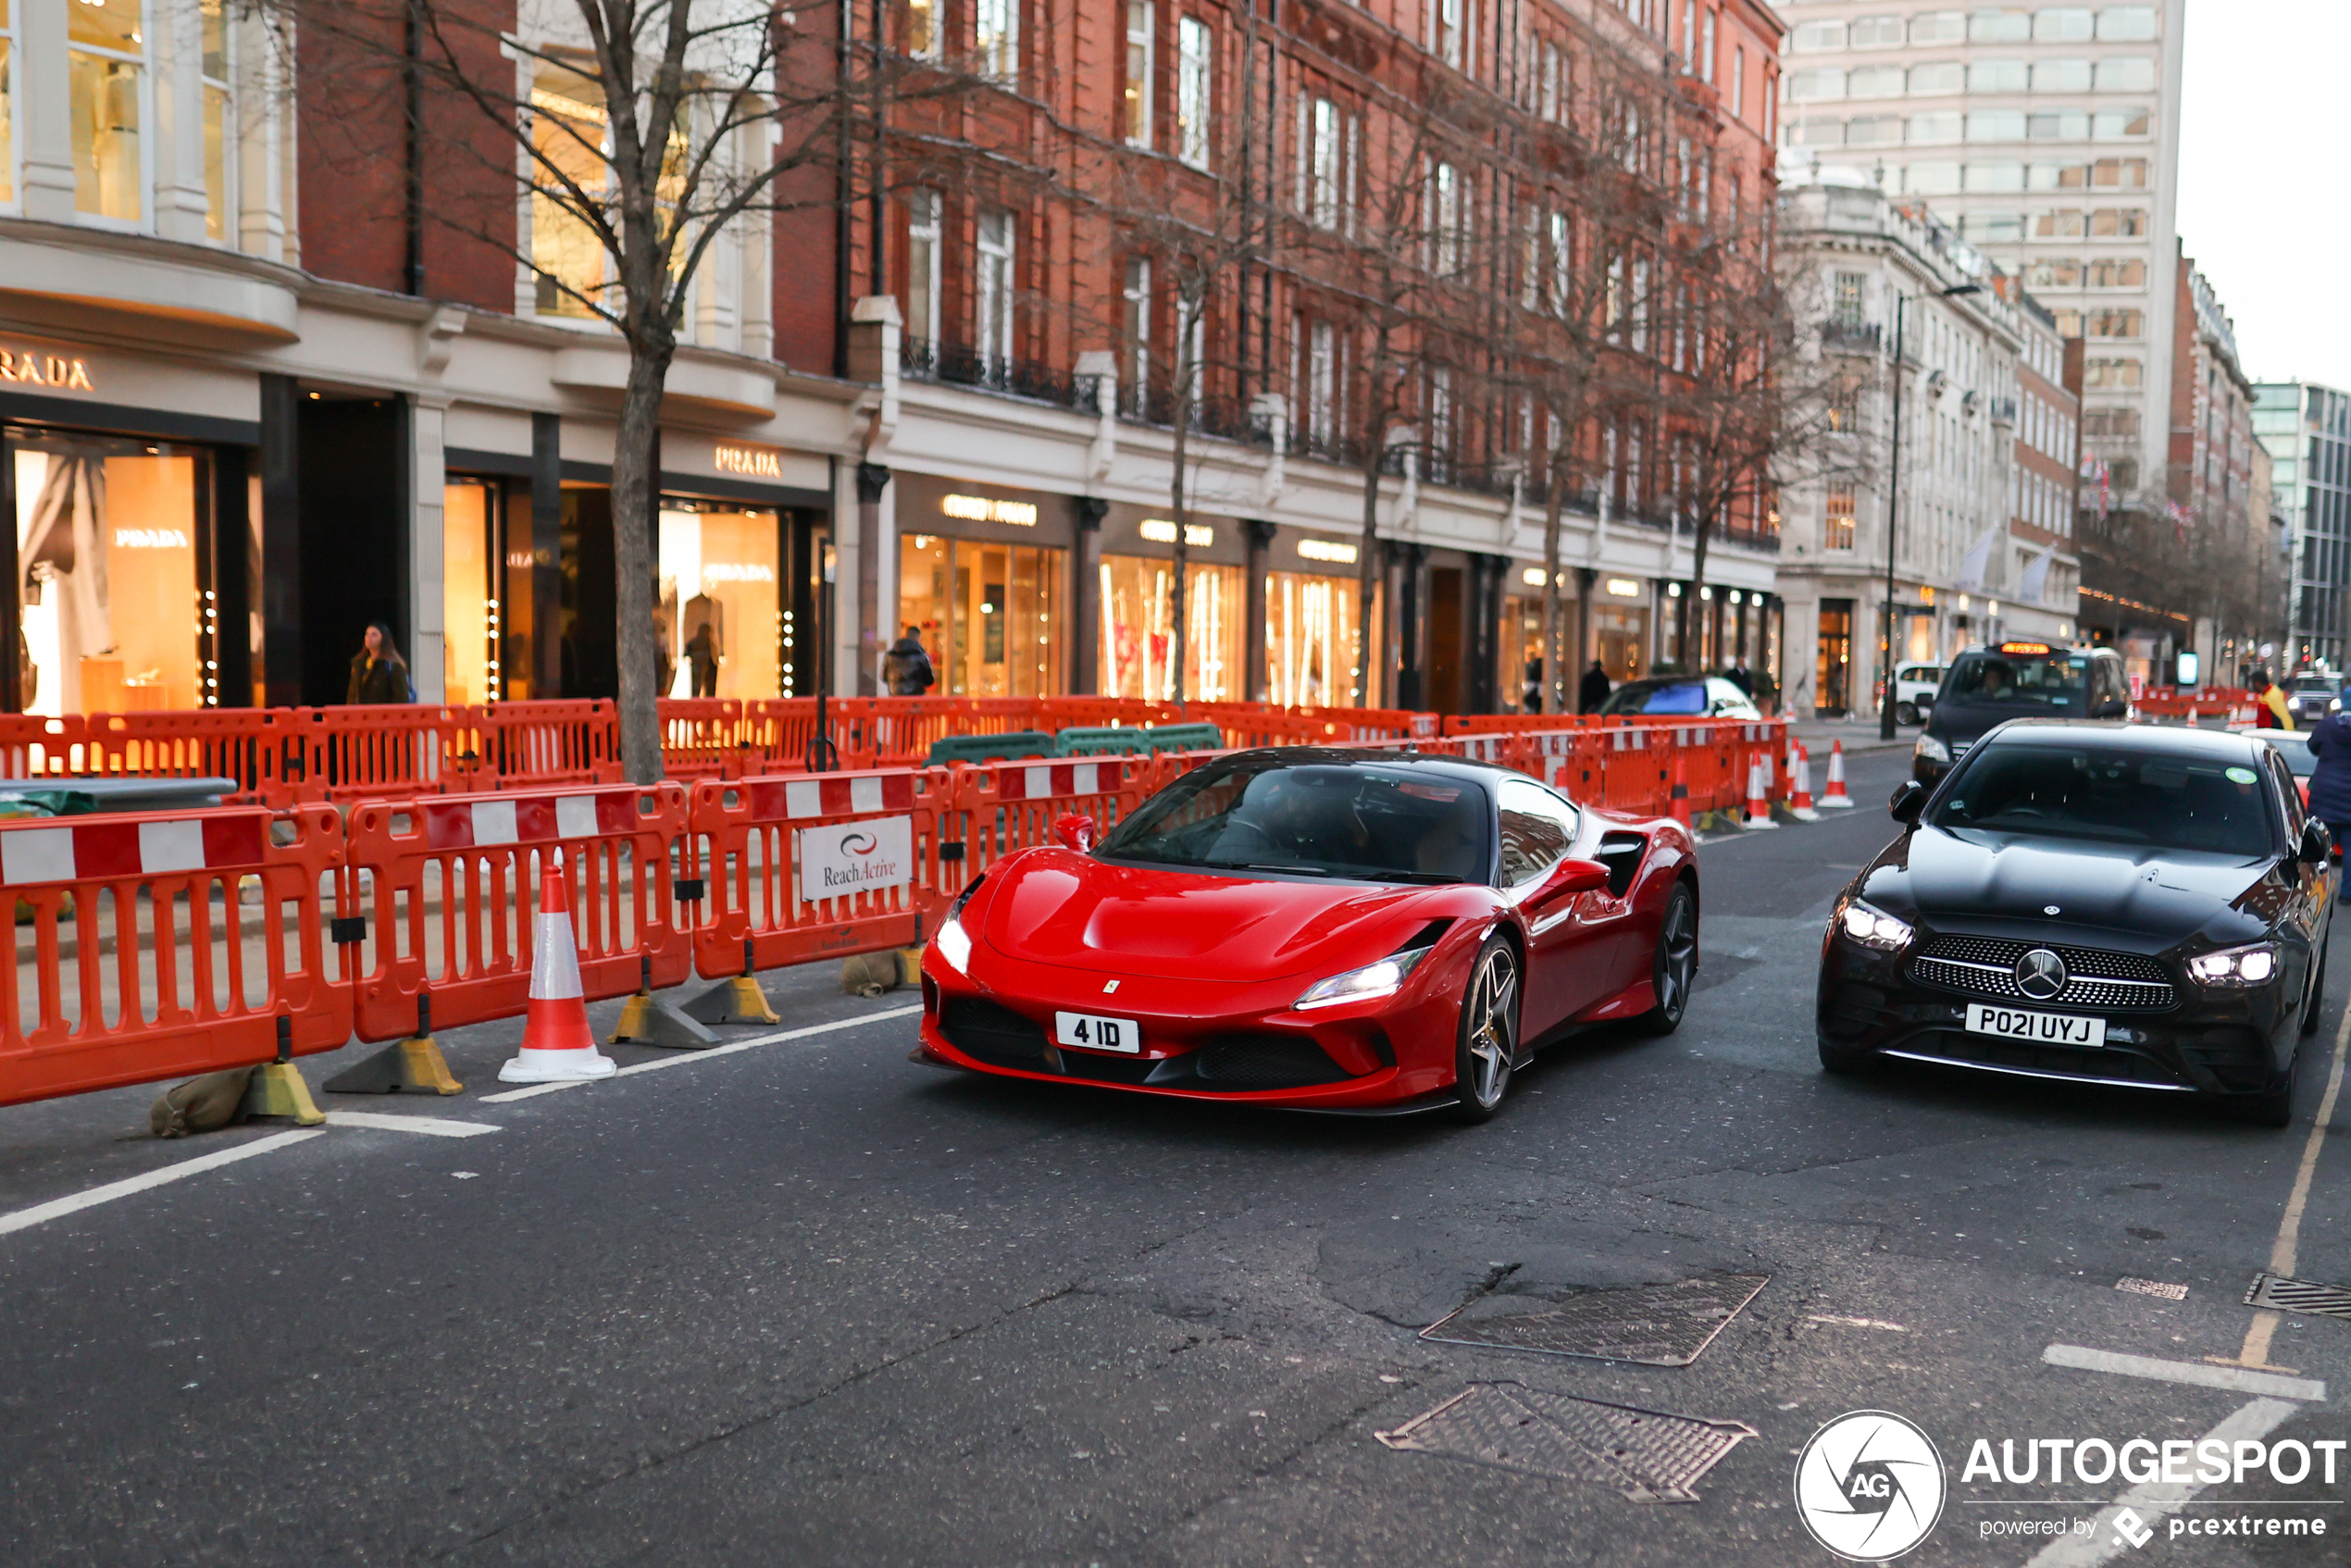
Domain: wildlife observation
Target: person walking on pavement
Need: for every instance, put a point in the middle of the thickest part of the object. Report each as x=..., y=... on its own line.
x=1736, y=674
x=378, y=672
x=1594, y=690
x=2331, y=779
x=2270, y=710
x=910, y=671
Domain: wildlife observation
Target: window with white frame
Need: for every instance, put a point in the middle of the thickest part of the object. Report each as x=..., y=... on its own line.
x=1322, y=384
x=1530, y=269
x=1706, y=47
x=220, y=122
x=1135, y=375
x=1689, y=35
x=922, y=27
x=569, y=162
x=1552, y=81
x=1445, y=31
x=996, y=37
x=1445, y=217
x=1440, y=417
x=1613, y=305
x=1640, y=306
x=1194, y=85
x=7, y=102
x=992, y=291
x=922, y=265
x=1142, y=49
x=106, y=91
x=1738, y=82
x=1684, y=174
x=1563, y=249
x=1321, y=161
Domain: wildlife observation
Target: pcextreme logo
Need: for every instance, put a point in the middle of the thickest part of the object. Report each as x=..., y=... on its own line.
x=1870, y=1485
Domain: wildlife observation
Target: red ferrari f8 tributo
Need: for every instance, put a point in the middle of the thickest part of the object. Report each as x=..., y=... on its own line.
x=1363, y=931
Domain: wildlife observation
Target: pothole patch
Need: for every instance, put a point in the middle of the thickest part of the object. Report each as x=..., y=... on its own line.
x=1650, y=1456
x=1653, y=1325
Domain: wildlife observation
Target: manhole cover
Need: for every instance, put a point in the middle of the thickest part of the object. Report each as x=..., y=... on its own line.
x=2299, y=1296
x=1647, y=1455
x=1656, y=1324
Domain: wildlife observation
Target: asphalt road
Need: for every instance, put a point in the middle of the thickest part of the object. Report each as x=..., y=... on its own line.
x=808, y=1303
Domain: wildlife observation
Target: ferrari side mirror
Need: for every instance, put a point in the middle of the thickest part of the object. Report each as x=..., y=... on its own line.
x=1075, y=831
x=1909, y=798
x=2317, y=842
x=1568, y=879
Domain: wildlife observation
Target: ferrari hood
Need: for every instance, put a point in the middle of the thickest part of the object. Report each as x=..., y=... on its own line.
x=1055, y=907
x=2162, y=897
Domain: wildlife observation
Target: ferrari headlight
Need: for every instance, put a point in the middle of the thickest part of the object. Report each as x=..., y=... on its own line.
x=954, y=942
x=1383, y=978
x=1930, y=750
x=2253, y=965
x=1873, y=927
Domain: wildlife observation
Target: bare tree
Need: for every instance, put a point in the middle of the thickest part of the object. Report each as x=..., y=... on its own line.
x=668, y=123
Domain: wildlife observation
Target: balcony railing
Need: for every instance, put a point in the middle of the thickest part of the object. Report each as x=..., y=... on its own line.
x=1850, y=336
x=962, y=364
x=1225, y=418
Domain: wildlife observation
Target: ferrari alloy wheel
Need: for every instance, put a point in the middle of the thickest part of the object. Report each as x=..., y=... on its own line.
x=1488, y=1035
x=1675, y=966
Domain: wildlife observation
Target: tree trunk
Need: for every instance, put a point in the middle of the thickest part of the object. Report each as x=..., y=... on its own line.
x=1697, y=581
x=1367, y=574
x=633, y=488
x=1554, y=677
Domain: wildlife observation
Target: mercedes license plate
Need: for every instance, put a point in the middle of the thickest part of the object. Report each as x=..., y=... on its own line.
x=2042, y=1028
x=1090, y=1033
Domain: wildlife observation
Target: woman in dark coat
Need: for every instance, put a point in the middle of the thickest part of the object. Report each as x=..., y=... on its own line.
x=378, y=672
x=2331, y=779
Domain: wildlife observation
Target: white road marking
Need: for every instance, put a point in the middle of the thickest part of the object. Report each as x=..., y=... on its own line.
x=1856, y=1322
x=2154, y=1499
x=685, y=1058
x=2281, y=1253
x=436, y=1126
x=2242, y=1380
x=57, y=1208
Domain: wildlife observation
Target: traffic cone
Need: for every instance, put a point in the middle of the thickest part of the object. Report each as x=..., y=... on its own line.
x=1837, y=797
x=1799, y=804
x=556, y=1041
x=1759, y=793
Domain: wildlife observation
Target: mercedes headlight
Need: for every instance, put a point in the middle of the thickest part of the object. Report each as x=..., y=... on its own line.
x=2253, y=965
x=1383, y=978
x=1873, y=927
x=1930, y=750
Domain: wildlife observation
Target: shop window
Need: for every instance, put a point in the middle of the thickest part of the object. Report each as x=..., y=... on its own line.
x=1833, y=657
x=989, y=616
x=469, y=606
x=718, y=611
x=1519, y=681
x=106, y=540
x=1310, y=638
x=1139, y=643
x=105, y=64
x=568, y=138
x=1620, y=641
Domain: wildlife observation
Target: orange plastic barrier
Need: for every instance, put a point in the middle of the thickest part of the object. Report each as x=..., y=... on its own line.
x=448, y=890
x=1003, y=808
x=569, y=740
x=393, y=751
x=705, y=738
x=138, y=959
x=817, y=865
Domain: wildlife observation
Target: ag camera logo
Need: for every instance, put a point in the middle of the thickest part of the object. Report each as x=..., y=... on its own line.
x=1870, y=1485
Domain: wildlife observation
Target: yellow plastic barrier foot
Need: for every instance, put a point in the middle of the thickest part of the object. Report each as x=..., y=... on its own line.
x=278, y=1091
x=647, y=1020
x=909, y=966
x=416, y=1065
x=739, y=1000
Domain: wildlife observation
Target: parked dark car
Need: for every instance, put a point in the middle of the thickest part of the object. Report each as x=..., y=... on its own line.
x=2016, y=680
x=2101, y=904
x=2310, y=697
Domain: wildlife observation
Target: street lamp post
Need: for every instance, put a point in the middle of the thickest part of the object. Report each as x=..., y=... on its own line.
x=1893, y=497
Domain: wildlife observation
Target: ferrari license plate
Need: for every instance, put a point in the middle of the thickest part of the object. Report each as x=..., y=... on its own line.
x=1090, y=1033
x=2043, y=1029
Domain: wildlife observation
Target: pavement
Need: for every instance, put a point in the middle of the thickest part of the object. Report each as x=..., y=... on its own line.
x=804, y=1302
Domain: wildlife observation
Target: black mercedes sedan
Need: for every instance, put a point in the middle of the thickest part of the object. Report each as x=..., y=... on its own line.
x=2103, y=903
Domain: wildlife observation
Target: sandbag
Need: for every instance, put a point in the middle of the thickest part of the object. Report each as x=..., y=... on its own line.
x=205, y=1104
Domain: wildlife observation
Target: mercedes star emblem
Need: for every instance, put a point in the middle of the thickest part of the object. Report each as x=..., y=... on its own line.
x=2040, y=974
x=2048, y=909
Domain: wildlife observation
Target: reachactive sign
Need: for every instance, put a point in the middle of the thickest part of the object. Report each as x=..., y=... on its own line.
x=841, y=858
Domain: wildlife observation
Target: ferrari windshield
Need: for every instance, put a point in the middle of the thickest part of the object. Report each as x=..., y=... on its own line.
x=2054, y=680
x=1362, y=822
x=2120, y=796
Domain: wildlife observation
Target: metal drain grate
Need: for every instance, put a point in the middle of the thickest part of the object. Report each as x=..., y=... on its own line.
x=1647, y=1455
x=2299, y=1296
x=1655, y=1325
x=2152, y=1288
